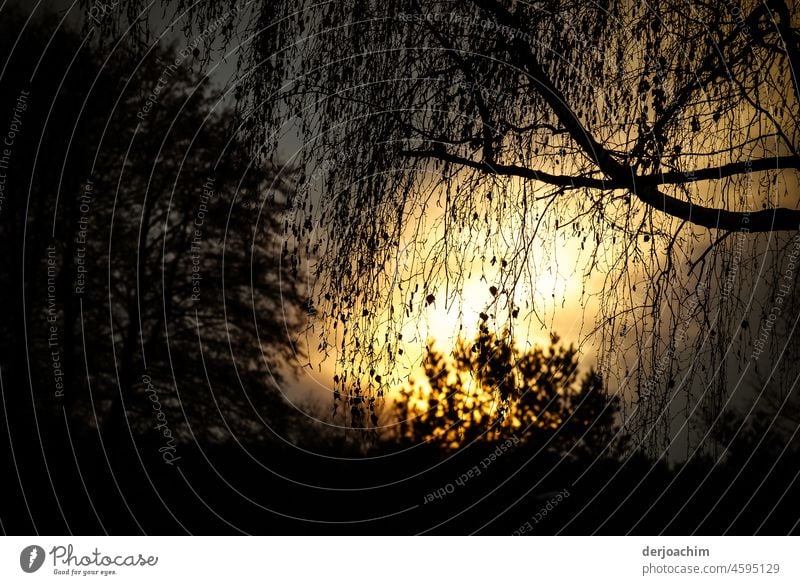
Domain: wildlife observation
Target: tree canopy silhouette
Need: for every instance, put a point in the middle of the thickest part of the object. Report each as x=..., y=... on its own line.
x=149, y=257
x=489, y=391
x=443, y=141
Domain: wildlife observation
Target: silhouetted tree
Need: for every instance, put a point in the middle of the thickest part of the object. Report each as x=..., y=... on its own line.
x=489, y=391
x=145, y=247
x=200, y=301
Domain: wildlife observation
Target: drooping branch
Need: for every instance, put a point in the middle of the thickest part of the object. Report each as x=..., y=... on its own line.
x=646, y=190
x=622, y=175
x=515, y=170
x=556, y=100
x=765, y=220
x=720, y=172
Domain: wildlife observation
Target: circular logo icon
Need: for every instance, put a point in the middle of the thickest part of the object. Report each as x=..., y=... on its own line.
x=31, y=558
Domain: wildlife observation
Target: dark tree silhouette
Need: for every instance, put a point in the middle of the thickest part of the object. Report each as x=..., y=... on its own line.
x=145, y=249
x=200, y=302
x=489, y=391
